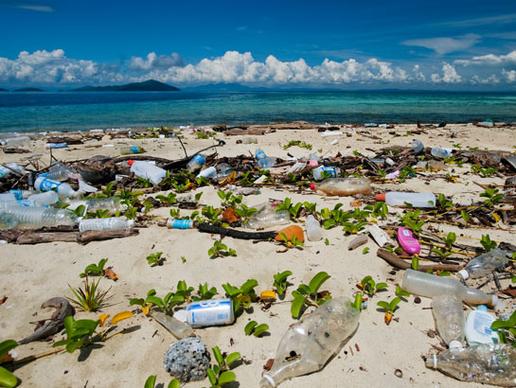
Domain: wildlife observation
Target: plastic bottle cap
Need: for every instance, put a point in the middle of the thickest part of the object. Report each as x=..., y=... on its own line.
x=312, y=186
x=482, y=308
x=130, y=162
x=455, y=345
x=380, y=197
x=495, y=301
x=463, y=274
x=181, y=315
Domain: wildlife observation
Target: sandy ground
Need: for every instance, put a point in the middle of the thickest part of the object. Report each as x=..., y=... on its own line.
x=31, y=274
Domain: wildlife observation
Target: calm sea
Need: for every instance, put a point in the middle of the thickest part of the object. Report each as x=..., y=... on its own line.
x=74, y=110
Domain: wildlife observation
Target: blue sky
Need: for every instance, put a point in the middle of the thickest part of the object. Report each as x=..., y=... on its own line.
x=445, y=44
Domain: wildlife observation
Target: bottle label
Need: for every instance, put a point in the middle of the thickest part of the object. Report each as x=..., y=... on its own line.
x=482, y=324
x=210, y=312
x=200, y=159
x=17, y=194
x=48, y=185
x=180, y=224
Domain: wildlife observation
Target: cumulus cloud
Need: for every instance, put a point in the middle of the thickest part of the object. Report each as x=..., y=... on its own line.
x=155, y=61
x=510, y=75
x=445, y=45
x=449, y=75
x=489, y=59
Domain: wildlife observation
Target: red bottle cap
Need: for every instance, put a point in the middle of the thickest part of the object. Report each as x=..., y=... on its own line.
x=380, y=197
x=312, y=186
x=130, y=162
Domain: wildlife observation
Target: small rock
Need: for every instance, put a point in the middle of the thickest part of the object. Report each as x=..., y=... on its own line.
x=187, y=359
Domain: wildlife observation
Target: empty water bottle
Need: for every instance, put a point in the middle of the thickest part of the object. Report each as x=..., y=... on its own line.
x=112, y=203
x=105, y=224
x=263, y=160
x=417, y=146
x=313, y=229
x=308, y=344
x=397, y=198
x=132, y=149
x=267, y=216
x=449, y=319
x=323, y=172
x=38, y=217
x=196, y=163
x=424, y=284
x=486, y=364
x=58, y=172
x=208, y=173
x=343, y=186
x=10, y=168
x=441, y=152
x=147, y=170
x=43, y=199
x=485, y=264
x=63, y=189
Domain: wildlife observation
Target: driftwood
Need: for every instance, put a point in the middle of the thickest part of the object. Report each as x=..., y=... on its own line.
x=209, y=228
x=31, y=237
x=249, y=131
x=397, y=262
x=15, y=150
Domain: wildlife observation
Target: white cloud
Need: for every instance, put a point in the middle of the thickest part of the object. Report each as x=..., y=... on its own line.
x=510, y=75
x=491, y=80
x=445, y=45
x=489, y=59
x=155, y=61
x=449, y=75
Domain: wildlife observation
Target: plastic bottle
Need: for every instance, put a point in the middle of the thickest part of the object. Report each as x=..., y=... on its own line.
x=132, y=149
x=58, y=172
x=407, y=241
x=313, y=160
x=43, y=199
x=214, y=312
x=424, y=284
x=105, y=224
x=417, y=146
x=308, y=344
x=267, y=216
x=449, y=319
x=486, y=364
x=178, y=329
x=113, y=204
x=174, y=223
x=196, y=162
x=313, y=229
x=147, y=170
x=209, y=173
x=224, y=170
x=63, y=189
x=478, y=327
x=14, y=141
x=10, y=168
x=485, y=264
x=263, y=160
x=440, y=152
x=343, y=187
x=397, y=198
x=38, y=217
x=323, y=172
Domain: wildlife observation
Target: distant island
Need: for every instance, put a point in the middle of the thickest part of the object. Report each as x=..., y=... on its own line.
x=28, y=90
x=145, y=86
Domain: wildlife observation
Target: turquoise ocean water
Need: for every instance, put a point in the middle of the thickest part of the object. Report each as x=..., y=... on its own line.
x=81, y=110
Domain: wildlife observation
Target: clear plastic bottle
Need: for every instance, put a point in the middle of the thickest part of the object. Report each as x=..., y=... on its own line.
x=424, y=284
x=43, y=199
x=486, y=364
x=264, y=161
x=267, y=216
x=38, y=217
x=147, y=170
x=478, y=327
x=485, y=264
x=441, y=152
x=176, y=327
x=112, y=203
x=105, y=224
x=196, y=163
x=9, y=168
x=308, y=344
x=59, y=172
x=398, y=198
x=14, y=141
x=343, y=187
x=449, y=319
x=323, y=172
x=63, y=189
x=208, y=173
x=417, y=146
x=131, y=149
x=313, y=229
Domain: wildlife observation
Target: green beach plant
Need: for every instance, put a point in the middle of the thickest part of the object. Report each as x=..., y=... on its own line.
x=309, y=295
x=281, y=283
x=89, y=297
x=256, y=329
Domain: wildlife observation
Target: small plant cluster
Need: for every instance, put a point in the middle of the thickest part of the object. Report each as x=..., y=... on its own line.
x=445, y=251
x=352, y=221
x=7, y=378
x=258, y=330
x=506, y=329
x=297, y=210
x=89, y=297
x=219, y=249
x=221, y=373
x=156, y=259
x=309, y=295
x=150, y=382
x=242, y=296
x=297, y=143
x=484, y=172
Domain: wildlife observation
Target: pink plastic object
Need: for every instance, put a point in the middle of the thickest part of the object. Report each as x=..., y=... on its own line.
x=407, y=241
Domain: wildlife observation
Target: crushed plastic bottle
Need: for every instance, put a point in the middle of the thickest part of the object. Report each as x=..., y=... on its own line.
x=263, y=160
x=417, y=146
x=398, y=198
x=36, y=217
x=63, y=189
x=428, y=285
x=308, y=344
x=10, y=168
x=449, y=319
x=485, y=264
x=132, y=149
x=313, y=229
x=43, y=199
x=323, y=172
x=208, y=173
x=147, y=170
x=267, y=216
x=343, y=187
x=177, y=328
x=59, y=172
x=105, y=224
x=196, y=163
x=478, y=327
x=441, y=152
x=486, y=364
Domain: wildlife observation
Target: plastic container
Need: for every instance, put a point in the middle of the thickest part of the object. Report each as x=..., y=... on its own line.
x=323, y=172
x=9, y=169
x=424, y=284
x=417, y=146
x=147, y=170
x=449, y=319
x=398, y=198
x=267, y=216
x=58, y=172
x=196, y=162
x=173, y=223
x=313, y=229
x=113, y=204
x=214, y=312
x=486, y=364
x=176, y=327
x=63, y=189
x=343, y=187
x=224, y=170
x=132, y=149
x=38, y=217
x=485, y=264
x=478, y=327
x=43, y=199
x=209, y=173
x=441, y=153
x=105, y=224
x=308, y=344
x=407, y=241
x=263, y=160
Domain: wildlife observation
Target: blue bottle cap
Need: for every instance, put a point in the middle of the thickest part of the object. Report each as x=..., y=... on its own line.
x=482, y=308
x=134, y=149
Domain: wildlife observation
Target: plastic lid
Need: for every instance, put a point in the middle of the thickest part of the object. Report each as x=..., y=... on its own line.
x=181, y=315
x=482, y=308
x=463, y=274
x=455, y=345
x=380, y=197
x=313, y=186
x=130, y=162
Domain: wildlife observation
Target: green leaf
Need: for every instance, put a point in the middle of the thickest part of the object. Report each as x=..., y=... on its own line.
x=6, y=346
x=381, y=286
x=174, y=383
x=297, y=305
x=227, y=377
x=249, y=328
x=136, y=301
x=232, y=358
x=317, y=281
x=393, y=305
x=248, y=286
x=401, y=292
x=384, y=305
x=7, y=379
x=150, y=382
x=212, y=377
x=218, y=356
x=260, y=330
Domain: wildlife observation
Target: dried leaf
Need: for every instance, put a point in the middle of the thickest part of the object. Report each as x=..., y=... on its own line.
x=387, y=318
x=110, y=274
x=230, y=216
x=356, y=203
x=121, y=316
x=3, y=299
x=268, y=364
x=146, y=309
x=290, y=232
x=103, y=318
